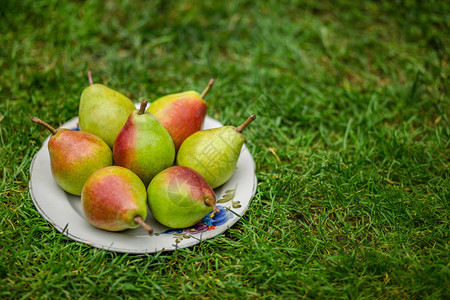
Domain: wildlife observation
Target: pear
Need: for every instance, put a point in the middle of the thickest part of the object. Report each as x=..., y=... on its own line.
x=214, y=152
x=74, y=156
x=182, y=114
x=115, y=199
x=143, y=145
x=103, y=111
x=179, y=197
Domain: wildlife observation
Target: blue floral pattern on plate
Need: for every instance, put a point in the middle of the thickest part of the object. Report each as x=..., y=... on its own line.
x=209, y=222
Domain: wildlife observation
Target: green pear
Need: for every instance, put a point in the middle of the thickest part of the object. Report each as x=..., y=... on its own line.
x=103, y=111
x=179, y=197
x=74, y=156
x=182, y=114
x=143, y=145
x=214, y=152
x=115, y=199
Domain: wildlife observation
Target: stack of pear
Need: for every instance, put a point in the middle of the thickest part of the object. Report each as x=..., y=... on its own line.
x=74, y=156
x=214, y=152
x=115, y=199
x=179, y=197
x=143, y=145
x=103, y=111
x=182, y=114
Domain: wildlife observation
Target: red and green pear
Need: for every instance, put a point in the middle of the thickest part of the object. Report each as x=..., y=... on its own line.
x=214, y=152
x=115, y=199
x=143, y=145
x=179, y=197
x=74, y=156
x=182, y=114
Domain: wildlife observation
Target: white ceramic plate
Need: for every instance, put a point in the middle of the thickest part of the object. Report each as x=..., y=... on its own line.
x=64, y=211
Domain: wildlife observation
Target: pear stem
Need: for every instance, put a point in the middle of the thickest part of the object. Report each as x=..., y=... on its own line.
x=89, y=74
x=208, y=87
x=241, y=127
x=212, y=203
x=141, y=222
x=142, y=107
x=45, y=124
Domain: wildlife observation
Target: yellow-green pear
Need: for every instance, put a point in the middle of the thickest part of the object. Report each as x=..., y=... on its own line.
x=103, y=111
x=213, y=152
x=179, y=197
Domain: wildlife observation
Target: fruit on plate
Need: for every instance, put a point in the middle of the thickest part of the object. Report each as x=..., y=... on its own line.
x=179, y=197
x=182, y=114
x=103, y=111
x=74, y=156
x=115, y=199
x=144, y=145
x=214, y=152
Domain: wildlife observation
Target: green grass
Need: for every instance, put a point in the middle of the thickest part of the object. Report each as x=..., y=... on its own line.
x=351, y=143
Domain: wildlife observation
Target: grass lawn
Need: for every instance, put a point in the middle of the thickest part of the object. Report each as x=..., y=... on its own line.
x=351, y=143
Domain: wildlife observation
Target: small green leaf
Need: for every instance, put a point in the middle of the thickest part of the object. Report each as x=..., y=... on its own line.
x=222, y=200
x=228, y=196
